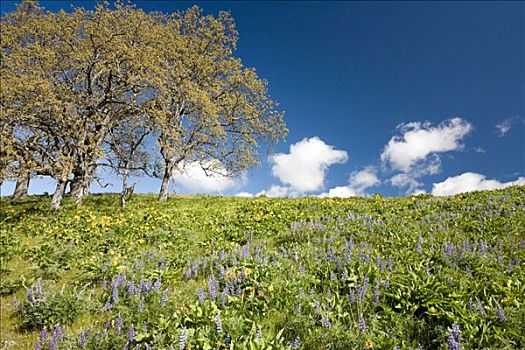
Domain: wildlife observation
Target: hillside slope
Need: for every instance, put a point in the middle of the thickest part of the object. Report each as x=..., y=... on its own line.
x=222, y=272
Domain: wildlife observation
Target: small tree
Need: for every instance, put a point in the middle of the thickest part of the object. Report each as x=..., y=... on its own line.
x=208, y=107
x=75, y=76
x=127, y=154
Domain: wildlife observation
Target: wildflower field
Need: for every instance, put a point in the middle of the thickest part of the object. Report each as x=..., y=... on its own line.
x=235, y=273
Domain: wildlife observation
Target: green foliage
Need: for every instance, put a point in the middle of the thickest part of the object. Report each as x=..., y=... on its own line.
x=279, y=273
x=47, y=310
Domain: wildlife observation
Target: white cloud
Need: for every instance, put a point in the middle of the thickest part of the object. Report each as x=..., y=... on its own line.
x=340, y=191
x=277, y=191
x=416, y=150
x=363, y=179
x=469, y=181
x=405, y=180
x=358, y=182
x=503, y=127
x=304, y=168
x=194, y=179
x=479, y=149
x=243, y=194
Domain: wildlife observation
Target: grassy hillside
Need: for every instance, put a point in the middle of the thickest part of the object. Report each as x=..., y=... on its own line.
x=309, y=273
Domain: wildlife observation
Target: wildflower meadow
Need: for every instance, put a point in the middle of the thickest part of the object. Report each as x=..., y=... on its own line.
x=201, y=272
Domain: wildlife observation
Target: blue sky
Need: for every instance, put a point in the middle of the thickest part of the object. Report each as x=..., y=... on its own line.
x=349, y=73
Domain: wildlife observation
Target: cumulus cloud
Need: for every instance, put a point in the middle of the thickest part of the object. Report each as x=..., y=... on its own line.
x=408, y=182
x=194, y=179
x=304, y=168
x=469, y=181
x=417, y=149
x=358, y=182
x=340, y=191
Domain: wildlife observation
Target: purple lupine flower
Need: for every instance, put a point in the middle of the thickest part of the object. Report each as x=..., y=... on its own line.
x=139, y=287
x=224, y=294
x=481, y=309
x=157, y=285
x=107, y=324
x=329, y=294
x=162, y=264
x=119, y=324
x=200, y=295
x=325, y=321
x=187, y=273
x=53, y=343
x=361, y=292
x=212, y=288
x=510, y=267
x=107, y=306
x=483, y=247
x=30, y=295
x=114, y=294
x=218, y=323
x=301, y=269
x=131, y=333
x=361, y=323
x=376, y=293
x=147, y=286
x=316, y=306
x=140, y=307
x=500, y=312
x=296, y=344
x=454, y=337
x=164, y=297
x=259, y=334
x=351, y=295
x=195, y=269
x=183, y=338
x=83, y=337
x=333, y=276
x=131, y=287
x=104, y=283
x=43, y=334
x=245, y=253
x=37, y=345
x=389, y=263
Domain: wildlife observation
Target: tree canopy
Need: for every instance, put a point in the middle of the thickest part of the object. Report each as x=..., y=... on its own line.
x=74, y=83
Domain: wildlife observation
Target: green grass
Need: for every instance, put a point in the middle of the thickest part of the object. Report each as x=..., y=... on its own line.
x=293, y=266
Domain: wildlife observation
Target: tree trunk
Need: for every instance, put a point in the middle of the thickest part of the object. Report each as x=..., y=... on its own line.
x=164, y=187
x=22, y=186
x=56, y=201
x=84, y=182
x=123, y=195
x=75, y=185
